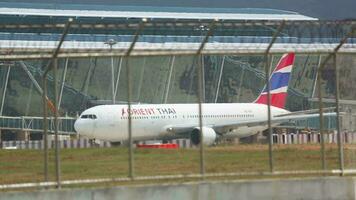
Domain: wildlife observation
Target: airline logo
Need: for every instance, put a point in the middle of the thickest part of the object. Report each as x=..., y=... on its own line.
x=147, y=111
x=279, y=82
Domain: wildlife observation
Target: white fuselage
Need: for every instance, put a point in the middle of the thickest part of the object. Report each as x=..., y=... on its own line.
x=152, y=121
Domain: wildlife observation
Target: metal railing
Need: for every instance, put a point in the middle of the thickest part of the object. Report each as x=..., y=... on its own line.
x=35, y=124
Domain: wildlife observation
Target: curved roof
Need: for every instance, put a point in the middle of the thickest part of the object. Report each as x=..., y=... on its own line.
x=90, y=10
x=143, y=8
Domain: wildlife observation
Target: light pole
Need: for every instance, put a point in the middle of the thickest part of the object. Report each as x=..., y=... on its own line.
x=112, y=42
x=203, y=29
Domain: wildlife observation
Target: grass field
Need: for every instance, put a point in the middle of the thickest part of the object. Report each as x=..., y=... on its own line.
x=18, y=166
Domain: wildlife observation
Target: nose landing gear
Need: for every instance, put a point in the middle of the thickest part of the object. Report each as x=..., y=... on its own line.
x=94, y=142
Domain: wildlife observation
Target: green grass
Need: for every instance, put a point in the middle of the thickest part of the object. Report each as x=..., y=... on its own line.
x=18, y=166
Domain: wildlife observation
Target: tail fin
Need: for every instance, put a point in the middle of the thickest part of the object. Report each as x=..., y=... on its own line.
x=278, y=82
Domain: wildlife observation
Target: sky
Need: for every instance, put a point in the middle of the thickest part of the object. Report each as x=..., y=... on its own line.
x=322, y=9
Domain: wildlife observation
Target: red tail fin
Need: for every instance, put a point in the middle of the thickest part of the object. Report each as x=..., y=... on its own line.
x=278, y=82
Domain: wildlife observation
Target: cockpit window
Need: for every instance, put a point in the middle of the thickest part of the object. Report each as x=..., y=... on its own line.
x=88, y=117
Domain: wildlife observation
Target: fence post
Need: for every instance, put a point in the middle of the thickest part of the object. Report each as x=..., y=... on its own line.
x=47, y=102
x=321, y=67
x=128, y=75
x=198, y=56
x=267, y=72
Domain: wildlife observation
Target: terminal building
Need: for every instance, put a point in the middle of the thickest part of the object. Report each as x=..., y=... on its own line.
x=94, y=80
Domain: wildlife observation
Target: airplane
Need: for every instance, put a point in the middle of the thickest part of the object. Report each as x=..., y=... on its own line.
x=172, y=121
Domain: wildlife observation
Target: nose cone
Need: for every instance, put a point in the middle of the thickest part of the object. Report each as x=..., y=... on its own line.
x=77, y=126
x=83, y=127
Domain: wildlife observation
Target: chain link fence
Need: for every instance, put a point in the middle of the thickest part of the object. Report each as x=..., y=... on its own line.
x=68, y=67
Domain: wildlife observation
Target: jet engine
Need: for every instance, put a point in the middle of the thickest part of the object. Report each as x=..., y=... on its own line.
x=209, y=136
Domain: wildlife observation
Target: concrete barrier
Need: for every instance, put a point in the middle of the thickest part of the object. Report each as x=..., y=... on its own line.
x=303, y=188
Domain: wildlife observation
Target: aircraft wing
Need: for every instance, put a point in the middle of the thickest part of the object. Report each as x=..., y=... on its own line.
x=312, y=111
x=183, y=128
x=274, y=120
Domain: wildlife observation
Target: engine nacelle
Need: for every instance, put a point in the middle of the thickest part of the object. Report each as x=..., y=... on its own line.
x=209, y=136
